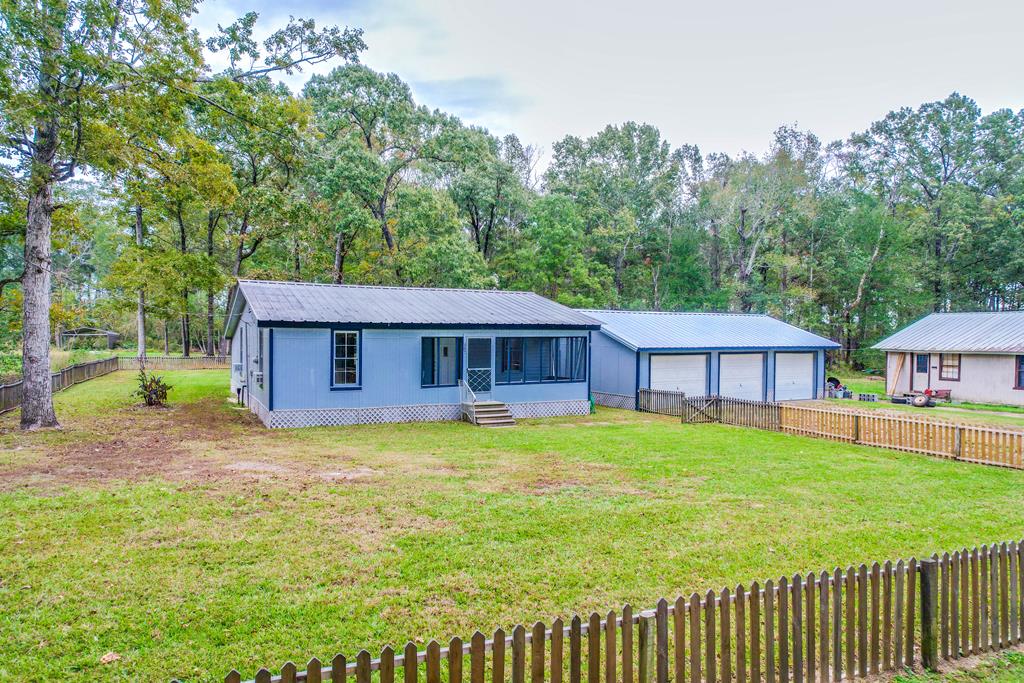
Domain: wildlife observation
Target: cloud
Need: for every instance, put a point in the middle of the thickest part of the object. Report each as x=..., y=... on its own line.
x=721, y=75
x=476, y=98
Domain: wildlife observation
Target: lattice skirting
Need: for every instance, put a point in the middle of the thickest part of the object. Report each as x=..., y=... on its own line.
x=261, y=410
x=615, y=400
x=330, y=417
x=548, y=409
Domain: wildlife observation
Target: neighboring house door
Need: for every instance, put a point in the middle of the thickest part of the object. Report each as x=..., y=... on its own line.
x=920, y=378
x=478, y=366
x=794, y=376
x=686, y=373
x=741, y=375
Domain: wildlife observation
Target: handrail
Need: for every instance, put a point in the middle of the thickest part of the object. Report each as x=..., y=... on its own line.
x=466, y=394
x=467, y=398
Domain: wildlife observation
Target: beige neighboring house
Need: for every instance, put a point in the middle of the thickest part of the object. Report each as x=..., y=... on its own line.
x=976, y=356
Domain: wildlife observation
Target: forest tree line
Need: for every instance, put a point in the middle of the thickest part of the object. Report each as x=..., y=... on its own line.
x=164, y=180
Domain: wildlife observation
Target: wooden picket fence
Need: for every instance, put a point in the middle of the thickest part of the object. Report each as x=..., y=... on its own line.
x=734, y=411
x=175, y=363
x=662, y=402
x=1003, y=447
x=822, y=626
x=10, y=394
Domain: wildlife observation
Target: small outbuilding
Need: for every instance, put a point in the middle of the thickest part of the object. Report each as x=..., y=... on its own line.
x=748, y=356
x=316, y=354
x=974, y=356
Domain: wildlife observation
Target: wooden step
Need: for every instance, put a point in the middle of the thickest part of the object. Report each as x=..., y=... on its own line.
x=492, y=414
x=495, y=421
x=491, y=410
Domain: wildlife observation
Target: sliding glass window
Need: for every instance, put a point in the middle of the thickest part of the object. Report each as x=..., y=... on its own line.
x=529, y=360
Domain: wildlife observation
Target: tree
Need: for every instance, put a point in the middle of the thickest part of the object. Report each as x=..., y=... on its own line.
x=375, y=137
x=625, y=180
x=553, y=258
x=68, y=71
x=937, y=167
x=490, y=187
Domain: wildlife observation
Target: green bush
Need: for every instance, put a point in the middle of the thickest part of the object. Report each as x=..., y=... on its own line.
x=152, y=389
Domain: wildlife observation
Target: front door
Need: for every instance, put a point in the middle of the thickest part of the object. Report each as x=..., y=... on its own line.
x=919, y=376
x=478, y=366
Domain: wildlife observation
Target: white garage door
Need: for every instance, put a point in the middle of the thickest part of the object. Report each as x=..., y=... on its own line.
x=794, y=376
x=686, y=373
x=741, y=375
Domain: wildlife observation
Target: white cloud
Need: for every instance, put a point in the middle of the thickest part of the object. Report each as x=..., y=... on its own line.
x=723, y=75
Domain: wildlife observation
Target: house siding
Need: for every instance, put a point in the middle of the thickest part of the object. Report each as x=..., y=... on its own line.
x=616, y=370
x=244, y=354
x=984, y=378
x=613, y=379
x=297, y=387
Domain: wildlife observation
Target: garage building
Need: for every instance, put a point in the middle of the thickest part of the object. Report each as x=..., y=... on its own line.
x=739, y=355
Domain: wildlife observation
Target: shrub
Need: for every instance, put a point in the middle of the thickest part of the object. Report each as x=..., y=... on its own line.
x=152, y=389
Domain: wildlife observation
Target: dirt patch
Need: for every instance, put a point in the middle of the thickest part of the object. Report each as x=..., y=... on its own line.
x=257, y=467
x=189, y=442
x=354, y=474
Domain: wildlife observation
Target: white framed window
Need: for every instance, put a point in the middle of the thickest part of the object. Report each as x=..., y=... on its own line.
x=345, y=365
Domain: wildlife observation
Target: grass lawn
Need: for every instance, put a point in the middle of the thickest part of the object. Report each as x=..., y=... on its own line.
x=1003, y=668
x=985, y=413
x=190, y=540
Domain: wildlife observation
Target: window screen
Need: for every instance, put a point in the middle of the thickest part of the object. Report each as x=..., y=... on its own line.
x=541, y=359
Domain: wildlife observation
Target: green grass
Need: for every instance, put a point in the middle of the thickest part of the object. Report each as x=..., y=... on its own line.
x=960, y=411
x=191, y=540
x=1004, y=668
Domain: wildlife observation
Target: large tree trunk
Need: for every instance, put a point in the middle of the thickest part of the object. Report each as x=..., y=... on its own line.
x=140, y=312
x=186, y=336
x=338, y=276
x=37, y=392
x=211, y=225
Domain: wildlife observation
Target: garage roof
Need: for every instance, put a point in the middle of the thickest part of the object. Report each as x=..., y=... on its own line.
x=307, y=302
x=646, y=330
x=987, y=332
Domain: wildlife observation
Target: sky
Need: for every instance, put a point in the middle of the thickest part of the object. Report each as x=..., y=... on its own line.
x=721, y=75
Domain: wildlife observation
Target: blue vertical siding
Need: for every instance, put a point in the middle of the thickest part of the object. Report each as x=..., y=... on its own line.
x=390, y=370
x=613, y=366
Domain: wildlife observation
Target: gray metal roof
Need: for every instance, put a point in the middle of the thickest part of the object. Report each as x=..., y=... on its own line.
x=999, y=332
x=657, y=330
x=304, y=302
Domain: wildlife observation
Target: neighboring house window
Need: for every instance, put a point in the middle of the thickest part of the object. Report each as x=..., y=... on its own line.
x=949, y=366
x=922, y=363
x=528, y=360
x=346, y=358
x=441, y=361
x=1020, y=372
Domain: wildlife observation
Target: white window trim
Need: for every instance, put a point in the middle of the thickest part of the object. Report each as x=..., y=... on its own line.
x=335, y=358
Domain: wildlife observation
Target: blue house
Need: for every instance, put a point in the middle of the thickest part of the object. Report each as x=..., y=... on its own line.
x=313, y=354
x=739, y=355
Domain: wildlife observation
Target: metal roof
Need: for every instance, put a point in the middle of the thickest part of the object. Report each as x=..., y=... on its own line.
x=658, y=330
x=991, y=332
x=306, y=302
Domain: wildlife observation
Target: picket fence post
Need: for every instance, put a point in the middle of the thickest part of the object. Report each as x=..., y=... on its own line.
x=929, y=570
